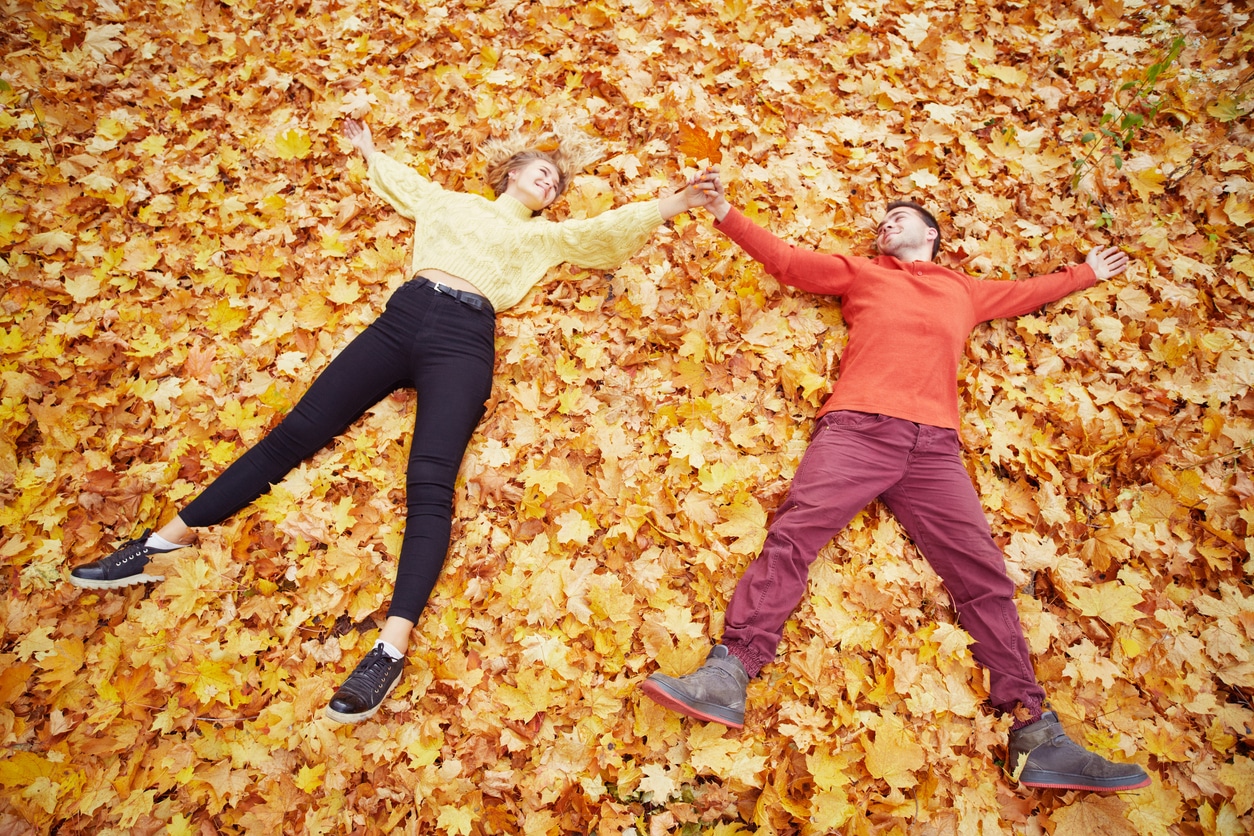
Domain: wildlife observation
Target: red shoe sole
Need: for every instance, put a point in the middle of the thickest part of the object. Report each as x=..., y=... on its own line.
x=660, y=696
x=1085, y=787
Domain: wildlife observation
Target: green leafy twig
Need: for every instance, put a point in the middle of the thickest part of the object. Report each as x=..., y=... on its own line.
x=1117, y=129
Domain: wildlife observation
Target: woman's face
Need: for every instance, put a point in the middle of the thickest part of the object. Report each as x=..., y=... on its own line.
x=534, y=185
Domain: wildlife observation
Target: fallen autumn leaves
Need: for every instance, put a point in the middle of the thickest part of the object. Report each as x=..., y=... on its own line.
x=186, y=242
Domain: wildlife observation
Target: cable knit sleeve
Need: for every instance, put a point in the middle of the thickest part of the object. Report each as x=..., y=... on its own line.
x=399, y=184
x=610, y=238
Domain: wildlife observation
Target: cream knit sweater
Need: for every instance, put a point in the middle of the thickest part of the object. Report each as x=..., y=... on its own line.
x=496, y=244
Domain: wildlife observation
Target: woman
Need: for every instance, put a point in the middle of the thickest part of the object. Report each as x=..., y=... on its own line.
x=472, y=257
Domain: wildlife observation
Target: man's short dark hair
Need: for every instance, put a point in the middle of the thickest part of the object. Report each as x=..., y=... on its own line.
x=927, y=217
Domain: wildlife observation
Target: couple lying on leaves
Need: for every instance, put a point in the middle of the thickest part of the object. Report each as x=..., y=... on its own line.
x=888, y=430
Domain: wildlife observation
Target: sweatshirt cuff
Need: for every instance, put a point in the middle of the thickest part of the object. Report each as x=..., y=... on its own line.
x=1091, y=277
x=730, y=221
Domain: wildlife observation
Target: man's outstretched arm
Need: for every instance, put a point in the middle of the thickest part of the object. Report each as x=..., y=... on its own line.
x=995, y=300
x=799, y=267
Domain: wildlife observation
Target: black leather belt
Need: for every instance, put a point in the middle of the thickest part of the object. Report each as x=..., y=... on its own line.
x=473, y=300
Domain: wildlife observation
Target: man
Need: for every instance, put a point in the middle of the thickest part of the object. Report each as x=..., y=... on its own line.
x=889, y=431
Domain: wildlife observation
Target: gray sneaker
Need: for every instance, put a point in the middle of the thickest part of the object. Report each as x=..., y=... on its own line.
x=714, y=692
x=1055, y=761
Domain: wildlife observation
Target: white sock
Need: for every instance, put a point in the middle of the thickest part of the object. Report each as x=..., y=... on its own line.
x=389, y=650
x=159, y=543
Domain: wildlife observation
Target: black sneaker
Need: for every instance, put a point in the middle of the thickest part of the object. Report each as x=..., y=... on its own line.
x=361, y=694
x=125, y=567
x=1043, y=756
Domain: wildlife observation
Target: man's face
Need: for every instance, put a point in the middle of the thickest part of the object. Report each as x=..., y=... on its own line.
x=903, y=234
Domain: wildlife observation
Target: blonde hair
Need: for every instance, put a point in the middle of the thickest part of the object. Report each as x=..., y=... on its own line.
x=499, y=172
x=567, y=147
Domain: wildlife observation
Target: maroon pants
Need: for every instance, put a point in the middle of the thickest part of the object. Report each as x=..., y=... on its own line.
x=917, y=471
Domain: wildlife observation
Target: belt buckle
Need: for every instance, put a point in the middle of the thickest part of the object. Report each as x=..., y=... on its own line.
x=468, y=299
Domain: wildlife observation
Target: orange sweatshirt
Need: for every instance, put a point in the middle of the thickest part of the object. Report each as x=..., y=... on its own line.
x=908, y=321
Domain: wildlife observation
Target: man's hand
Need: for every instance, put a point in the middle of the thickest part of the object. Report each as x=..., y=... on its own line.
x=1107, y=262
x=359, y=135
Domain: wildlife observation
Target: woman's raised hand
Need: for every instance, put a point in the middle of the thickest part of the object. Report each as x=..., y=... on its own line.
x=359, y=135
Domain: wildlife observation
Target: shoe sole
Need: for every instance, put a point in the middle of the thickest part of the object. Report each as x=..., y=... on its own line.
x=340, y=717
x=1062, y=784
x=664, y=697
x=120, y=583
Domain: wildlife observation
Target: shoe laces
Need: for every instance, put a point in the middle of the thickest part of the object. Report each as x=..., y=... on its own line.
x=129, y=552
x=372, y=671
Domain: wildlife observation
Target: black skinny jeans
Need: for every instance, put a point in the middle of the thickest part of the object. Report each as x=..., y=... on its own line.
x=432, y=342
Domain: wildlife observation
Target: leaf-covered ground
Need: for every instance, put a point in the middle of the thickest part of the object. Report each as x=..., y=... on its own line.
x=185, y=239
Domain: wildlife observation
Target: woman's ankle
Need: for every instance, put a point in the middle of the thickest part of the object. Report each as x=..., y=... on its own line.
x=177, y=532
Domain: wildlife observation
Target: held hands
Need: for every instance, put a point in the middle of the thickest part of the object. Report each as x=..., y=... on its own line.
x=358, y=134
x=702, y=190
x=712, y=184
x=1107, y=262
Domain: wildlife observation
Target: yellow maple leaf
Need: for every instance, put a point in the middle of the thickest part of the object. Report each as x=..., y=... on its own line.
x=188, y=585
x=456, y=821
x=716, y=476
x=180, y=825
x=1145, y=181
x=309, y=778
x=10, y=223
x=529, y=697
x=332, y=245
x=1168, y=744
x=574, y=527
x=52, y=241
x=141, y=254
x=1239, y=209
x=292, y=144
x=241, y=417
x=38, y=643
x=1240, y=776
x=690, y=444
x=800, y=374
x=544, y=479
x=1011, y=75
x=827, y=768
x=63, y=664
x=894, y=754
x=727, y=757
x=830, y=810
x=1112, y=602
x=658, y=780
x=99, y=41
x=214, y=682
x=344, y=291
x=745, y=524
x=224, y=318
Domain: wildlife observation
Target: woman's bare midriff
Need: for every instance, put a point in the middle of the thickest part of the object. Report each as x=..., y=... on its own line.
x=455, y=282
